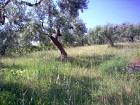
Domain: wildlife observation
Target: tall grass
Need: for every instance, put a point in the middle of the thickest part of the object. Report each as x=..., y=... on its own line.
x=92, y=75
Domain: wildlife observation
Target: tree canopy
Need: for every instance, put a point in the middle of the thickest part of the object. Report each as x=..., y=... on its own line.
x=34, y=21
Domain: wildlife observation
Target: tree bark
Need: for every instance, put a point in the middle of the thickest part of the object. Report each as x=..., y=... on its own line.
x=59, y=45
x=3, y=49
x=82, y=42
x=111, y=42
x=131, y=39
x=2, y=17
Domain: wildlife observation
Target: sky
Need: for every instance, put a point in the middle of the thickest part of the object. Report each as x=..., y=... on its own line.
x=101, y=12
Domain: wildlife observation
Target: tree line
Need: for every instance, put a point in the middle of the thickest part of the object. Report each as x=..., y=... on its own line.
x=110, y=33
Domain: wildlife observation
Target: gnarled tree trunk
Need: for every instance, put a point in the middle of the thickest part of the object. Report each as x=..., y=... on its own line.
x=3, y=49
x=131, y=38
x=2, y=17
x=58, y=44
x=111, y=42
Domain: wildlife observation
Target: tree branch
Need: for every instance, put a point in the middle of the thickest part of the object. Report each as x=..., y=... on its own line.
x=30, y=4
x=57, y=33
x=23, y=2
x=6, y=3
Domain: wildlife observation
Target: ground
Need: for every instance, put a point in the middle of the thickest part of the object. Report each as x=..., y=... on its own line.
x=92, y=75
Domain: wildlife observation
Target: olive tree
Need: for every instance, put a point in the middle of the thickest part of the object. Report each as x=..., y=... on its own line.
x=52, y=11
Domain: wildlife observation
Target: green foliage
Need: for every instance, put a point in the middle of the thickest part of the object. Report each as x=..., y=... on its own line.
x=72, y=6
x=7, y=98
x=118, y=64
x=95, y=36
x=28, y=49
x=79, y=30
x=114, y=33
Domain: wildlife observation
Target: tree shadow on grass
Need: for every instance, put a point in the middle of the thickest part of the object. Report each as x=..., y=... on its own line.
x=65, y=90
x=13, y=93
x=89, y=61
x=14, y=67
x=70, y=90
x=60, y=90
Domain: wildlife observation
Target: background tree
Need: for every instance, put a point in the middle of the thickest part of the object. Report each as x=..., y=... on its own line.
x=79, y=30
x=109, y=31
x=103, y=34
x=95, y=36
x=129, y=31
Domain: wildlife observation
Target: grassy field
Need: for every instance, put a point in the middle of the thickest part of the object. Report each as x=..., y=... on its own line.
x=92, y=75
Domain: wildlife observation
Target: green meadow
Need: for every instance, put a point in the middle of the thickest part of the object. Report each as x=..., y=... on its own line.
x=91, y=75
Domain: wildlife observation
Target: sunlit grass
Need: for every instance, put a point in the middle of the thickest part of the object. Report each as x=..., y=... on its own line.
x=92, y=75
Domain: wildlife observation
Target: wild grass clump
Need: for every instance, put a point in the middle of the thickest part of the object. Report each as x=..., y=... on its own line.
x=92, y=75
x=115, y=65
